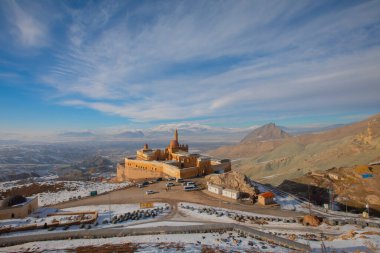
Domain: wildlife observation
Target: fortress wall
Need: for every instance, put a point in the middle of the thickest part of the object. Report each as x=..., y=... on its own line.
x=120, y=175
x=190, y=172
x=147, y=165
x=171, y=170
x=221, y=166
x=138, y=169
x=190, y=162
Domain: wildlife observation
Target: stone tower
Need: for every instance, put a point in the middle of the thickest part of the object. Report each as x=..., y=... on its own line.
x=176, y=134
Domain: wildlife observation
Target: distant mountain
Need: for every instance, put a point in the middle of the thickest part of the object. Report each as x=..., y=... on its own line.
x=278, y=159
x=78, y=134
x=130, y=134
x=267, y=132
x=196, y=132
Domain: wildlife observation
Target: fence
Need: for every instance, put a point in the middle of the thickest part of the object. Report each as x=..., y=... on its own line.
x=209, y=228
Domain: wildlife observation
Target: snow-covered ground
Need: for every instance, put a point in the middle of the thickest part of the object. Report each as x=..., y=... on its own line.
x=228, y=242
x=365, y=239
x=226, y=215
x=105, y=214
x=71, y=189
x=285, y=200
x=82, y=189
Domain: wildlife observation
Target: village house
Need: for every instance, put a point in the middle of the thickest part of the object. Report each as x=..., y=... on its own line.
x=266, y=198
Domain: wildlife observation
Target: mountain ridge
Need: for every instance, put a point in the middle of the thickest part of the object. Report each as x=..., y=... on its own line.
x=275, y=160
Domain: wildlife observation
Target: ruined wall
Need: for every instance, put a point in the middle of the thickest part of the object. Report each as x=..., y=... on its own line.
x=19, y=211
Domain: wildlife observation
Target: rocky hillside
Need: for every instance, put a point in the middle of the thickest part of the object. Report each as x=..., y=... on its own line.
x=86, y=168
x=267, y=132
x=355, y=186
x=273, y=161
x=233, y=180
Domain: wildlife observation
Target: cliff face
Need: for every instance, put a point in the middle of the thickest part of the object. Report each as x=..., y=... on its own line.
x=233, y=180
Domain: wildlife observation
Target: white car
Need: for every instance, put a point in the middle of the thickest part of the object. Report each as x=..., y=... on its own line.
x=149, y=192
x=191, y=188
x=170, y=184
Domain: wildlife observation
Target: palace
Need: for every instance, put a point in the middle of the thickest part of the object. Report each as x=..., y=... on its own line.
x=174, y=161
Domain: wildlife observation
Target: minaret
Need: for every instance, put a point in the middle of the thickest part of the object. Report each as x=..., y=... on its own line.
x=176, y=134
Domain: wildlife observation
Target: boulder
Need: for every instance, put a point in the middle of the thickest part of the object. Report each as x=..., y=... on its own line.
x=233, y=180
x=311, y=220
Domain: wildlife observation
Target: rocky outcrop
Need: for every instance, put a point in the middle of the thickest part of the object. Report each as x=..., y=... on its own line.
x=311, y=220
x=233, y=180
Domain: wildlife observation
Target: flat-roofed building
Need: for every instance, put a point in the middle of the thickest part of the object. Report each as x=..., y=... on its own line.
x=215, y=189
x=230, y=193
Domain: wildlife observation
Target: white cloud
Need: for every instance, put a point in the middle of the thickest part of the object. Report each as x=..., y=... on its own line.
x=26, y=27
x=139, y=63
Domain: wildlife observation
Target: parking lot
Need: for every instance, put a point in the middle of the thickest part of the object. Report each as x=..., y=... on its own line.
x=172, y=195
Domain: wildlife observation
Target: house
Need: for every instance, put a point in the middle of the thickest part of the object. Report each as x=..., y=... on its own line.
x=229, y=193
x=266, y=198
x=215, y=189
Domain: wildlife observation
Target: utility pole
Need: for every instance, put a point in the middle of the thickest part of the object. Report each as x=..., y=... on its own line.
x=331, y=195
x=109, y=206
x=308, y=190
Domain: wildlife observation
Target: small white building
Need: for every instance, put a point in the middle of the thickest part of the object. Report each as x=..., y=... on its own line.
x=215, y=189
x=229, y=193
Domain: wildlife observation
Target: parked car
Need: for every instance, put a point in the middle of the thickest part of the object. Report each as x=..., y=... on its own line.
x=140, y=186
x=190, y=188
x=145, y=183
x=159, y=179
x=170, y=184
x=149, y=192
x=179, y=180
x=190, y=184
x=170, y=178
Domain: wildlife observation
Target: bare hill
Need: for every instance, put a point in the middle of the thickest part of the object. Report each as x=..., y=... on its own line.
x=273, y=161
x=267, y=132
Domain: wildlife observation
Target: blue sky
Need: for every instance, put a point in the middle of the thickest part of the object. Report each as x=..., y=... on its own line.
x=72, y=65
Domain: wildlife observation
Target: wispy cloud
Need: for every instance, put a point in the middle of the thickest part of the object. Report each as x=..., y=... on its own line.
x=25, y=25
x=181, y=60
